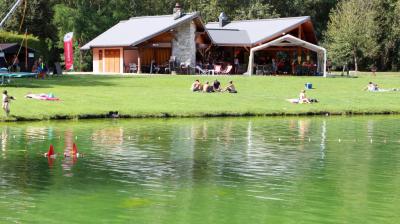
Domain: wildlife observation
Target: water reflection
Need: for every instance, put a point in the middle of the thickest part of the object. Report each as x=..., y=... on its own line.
x=4, y=139
x=69, y=160
x=228, y=170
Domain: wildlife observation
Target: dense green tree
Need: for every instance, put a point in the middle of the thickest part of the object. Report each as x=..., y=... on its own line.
x=351, y=33
x=318, y=10
x=34, y=16
x=255, y=10
x=388, y=35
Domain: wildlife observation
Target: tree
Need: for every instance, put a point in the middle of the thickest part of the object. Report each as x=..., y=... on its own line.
x=351, y=32
x=318, y=10
x=388, y=19
x=255, y=10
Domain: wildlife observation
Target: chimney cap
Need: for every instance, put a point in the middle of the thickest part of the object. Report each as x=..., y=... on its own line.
x=223, y=16
x=177, y=12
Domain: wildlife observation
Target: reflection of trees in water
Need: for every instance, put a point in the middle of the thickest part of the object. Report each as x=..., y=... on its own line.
x=4, y=140
x=110, y=138
x=24, y=171
x=33, y=132
x=69, y=161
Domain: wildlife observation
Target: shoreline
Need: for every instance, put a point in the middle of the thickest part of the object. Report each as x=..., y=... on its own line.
x=16, y=119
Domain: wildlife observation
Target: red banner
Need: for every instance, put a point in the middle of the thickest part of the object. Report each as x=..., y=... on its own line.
x=69, y=51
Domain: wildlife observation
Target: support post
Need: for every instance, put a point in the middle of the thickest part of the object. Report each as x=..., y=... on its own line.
x=139, y=70
x=324, y=66
x=26, y=50
x=251, y=62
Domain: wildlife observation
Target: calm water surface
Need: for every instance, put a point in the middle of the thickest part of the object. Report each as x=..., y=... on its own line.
x=253, y=170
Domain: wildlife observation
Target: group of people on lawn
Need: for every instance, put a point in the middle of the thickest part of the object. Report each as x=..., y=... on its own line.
x=197, y=86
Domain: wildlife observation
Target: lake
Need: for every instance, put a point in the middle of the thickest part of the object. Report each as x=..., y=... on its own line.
x=218, y=170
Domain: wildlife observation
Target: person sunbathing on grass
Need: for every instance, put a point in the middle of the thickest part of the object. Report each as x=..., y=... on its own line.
x=373, y=87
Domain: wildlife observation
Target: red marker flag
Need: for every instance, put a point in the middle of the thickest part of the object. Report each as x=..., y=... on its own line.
x=51, y=151
x=69, y=51
x=74, y=150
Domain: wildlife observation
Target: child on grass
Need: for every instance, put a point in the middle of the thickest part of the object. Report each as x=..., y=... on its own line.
x=6, y=102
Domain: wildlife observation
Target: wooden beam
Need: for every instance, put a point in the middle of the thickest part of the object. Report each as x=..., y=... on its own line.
x=300, y=31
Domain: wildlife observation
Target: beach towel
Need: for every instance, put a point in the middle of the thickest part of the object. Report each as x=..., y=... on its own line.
x=293, y=100
x=42, y=96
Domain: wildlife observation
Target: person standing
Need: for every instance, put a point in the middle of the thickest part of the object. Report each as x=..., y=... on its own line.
x=374, y=69
x=6, y=102
x=274, y=66
x=41, y=69
x=236, y=64
x=329, y=66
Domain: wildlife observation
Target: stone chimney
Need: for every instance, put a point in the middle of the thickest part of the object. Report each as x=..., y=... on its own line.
x=223, y=20
x=178, y=12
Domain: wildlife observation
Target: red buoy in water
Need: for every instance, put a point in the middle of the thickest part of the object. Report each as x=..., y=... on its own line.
x=50, y=153
x=74, y=150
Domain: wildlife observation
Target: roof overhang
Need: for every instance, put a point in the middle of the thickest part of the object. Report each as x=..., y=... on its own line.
x=289, y=40
x=282, y=32
x=192, y=16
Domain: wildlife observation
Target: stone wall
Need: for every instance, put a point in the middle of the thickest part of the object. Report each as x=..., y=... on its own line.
x=183, y=45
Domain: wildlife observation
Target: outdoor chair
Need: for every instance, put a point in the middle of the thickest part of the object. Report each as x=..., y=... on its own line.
x=202, y=71
x=185, y=67
x=217, y=69
x=132, y=68
x=227, y=70
x=259, y=69
x=267, y=69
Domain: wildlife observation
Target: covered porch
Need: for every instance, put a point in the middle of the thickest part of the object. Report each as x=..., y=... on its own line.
x=287, y=55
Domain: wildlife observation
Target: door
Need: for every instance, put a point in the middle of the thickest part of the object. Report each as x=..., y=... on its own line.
x=112, y=60
x=100, y=60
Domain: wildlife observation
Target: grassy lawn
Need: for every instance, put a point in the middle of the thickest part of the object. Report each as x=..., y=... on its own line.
x=161, y=95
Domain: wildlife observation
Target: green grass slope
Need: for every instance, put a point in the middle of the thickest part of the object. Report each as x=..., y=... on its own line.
x=156, y=96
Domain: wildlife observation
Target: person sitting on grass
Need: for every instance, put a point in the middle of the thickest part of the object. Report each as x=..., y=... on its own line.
x=6, y=102
x=217, y=86
x=303, y=98
x=207, y=88
x=230, y=88
x=196, y=86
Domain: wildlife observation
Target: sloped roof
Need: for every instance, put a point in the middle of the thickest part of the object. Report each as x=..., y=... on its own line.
x=12, y=47
x=255, y=31
x=229, y=37
x=137, y=30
